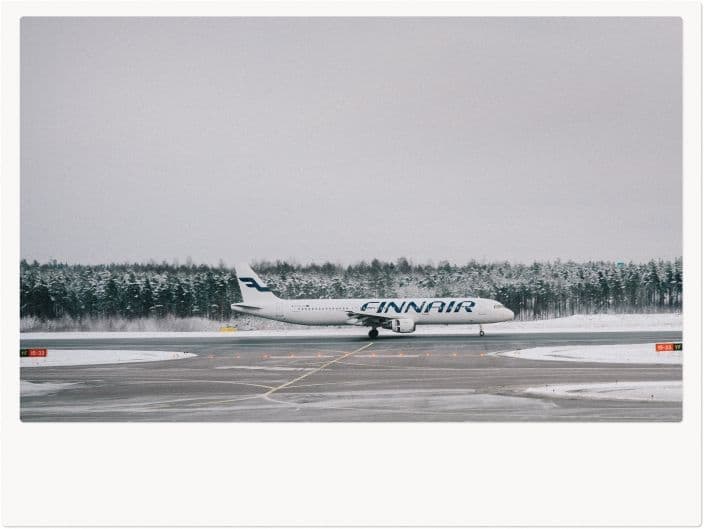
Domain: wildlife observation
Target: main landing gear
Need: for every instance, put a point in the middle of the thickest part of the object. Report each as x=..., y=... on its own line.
x=373, y=333
x=481, y=331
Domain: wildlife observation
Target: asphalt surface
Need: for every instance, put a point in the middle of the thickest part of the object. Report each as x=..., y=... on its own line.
x=391, y=378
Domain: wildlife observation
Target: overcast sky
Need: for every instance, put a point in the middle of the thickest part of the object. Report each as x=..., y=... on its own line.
x=349, y=139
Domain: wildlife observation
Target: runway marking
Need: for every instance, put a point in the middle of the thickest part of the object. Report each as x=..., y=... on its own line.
x=367, y=383
x=267, y=368
x=196, y=381
x=395, y=355
x=358, y=364
x=234, y=399
x=323, y=366
x=303, y=357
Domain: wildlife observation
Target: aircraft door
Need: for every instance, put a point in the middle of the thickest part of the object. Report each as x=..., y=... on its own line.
x=279, y=310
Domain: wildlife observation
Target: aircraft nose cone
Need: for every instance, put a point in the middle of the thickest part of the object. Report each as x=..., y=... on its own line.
x=509, y=314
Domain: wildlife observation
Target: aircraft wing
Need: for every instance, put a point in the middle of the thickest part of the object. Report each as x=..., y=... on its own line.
x=367, y=320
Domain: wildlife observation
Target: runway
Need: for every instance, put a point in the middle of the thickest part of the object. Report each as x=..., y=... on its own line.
x=307, y=378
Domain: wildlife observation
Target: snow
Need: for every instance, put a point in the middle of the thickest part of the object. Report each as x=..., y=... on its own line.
x=620, y=354
x=37, y=389
x=578, y=323
x=600, y=322
x=77, y=357
x=664, y=391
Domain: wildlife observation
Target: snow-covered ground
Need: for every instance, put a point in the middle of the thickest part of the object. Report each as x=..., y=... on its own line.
x=665, y=391
x=75, y=357
x=620, y=354
x=37, y=389
x=599, y=322
x=659, y=390
x=578, y=323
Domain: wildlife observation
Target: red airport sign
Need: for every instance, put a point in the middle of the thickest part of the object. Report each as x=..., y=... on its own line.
x=663, y=347
x=32, y=352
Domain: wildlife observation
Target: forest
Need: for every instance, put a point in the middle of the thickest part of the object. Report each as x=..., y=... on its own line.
x=533, y=291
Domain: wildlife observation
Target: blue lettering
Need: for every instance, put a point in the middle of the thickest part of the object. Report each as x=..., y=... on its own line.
x=366, y=305
x=449, y=306
x=396, y=307
x=431, y=305
x=468, y=304
x=417, y=308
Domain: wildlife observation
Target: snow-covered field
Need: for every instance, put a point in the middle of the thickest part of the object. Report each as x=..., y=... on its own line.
x=659, y=390
x=578, y=323
x=665, y=391
x=76, y=357
x=599, y=322
x=37, y=389
x=620, y=354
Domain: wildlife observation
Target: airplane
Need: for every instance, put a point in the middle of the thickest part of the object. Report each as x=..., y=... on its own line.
x=397, y=315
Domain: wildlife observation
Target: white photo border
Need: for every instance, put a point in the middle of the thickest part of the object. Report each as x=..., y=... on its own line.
x=352, y=473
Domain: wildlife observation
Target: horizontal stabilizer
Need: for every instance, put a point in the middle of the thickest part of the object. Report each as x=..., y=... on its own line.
x=244, y=306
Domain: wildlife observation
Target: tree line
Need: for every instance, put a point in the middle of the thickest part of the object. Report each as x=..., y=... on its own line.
x=533, y=291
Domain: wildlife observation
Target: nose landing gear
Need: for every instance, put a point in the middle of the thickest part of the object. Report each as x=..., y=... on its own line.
x=373, y=333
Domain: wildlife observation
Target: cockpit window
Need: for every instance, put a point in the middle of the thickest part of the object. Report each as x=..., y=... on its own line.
x=499, y=306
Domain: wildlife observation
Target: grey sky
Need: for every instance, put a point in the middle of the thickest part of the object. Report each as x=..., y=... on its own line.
x=348, y=139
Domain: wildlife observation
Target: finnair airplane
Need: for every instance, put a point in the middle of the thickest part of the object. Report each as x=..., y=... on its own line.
x=397, y=315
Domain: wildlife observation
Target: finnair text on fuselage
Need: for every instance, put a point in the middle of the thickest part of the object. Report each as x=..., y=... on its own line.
x=403, y=307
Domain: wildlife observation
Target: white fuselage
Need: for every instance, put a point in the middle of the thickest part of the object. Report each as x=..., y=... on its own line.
x=419, y=310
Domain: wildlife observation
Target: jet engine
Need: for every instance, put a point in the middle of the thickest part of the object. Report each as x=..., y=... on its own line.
x=404, y=325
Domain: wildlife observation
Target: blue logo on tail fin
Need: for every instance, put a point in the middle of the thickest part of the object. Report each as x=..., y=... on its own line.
x=252, y=283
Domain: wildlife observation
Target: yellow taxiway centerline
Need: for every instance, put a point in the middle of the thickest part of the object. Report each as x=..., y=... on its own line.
x=323, y=366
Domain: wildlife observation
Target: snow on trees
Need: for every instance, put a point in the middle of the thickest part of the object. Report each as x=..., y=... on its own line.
x=534, y=291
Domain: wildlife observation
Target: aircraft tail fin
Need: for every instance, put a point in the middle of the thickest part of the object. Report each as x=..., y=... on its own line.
x=254, y=290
